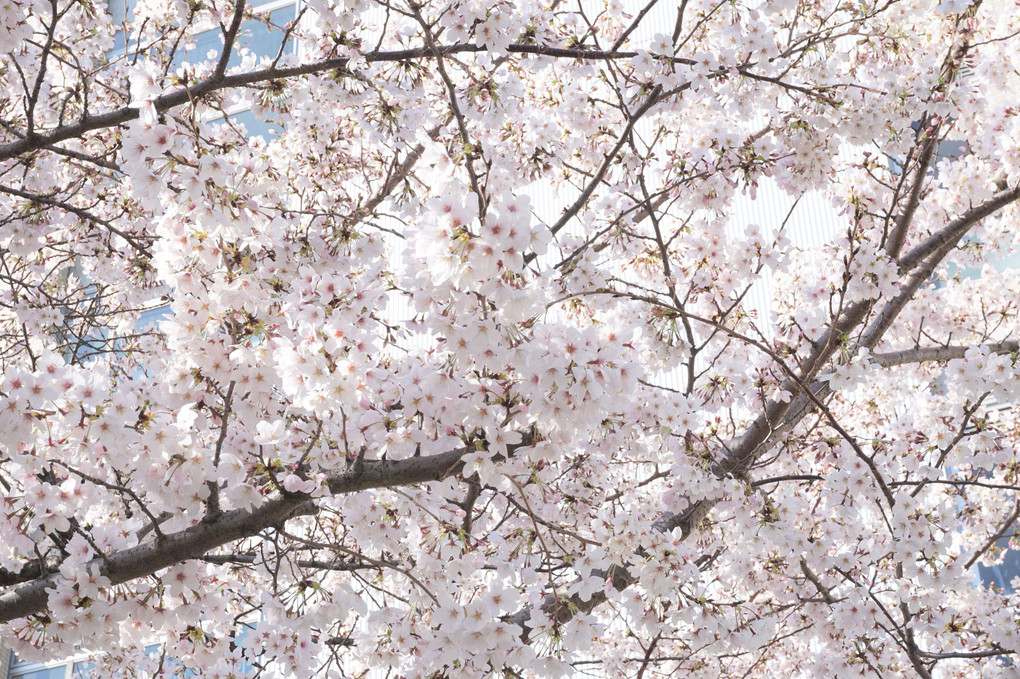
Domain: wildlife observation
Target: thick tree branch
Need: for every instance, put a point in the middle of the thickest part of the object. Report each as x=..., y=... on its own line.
x=938, y=354
x=956, y=229
x=194, y=542
x=894, y=243
x=223, y=81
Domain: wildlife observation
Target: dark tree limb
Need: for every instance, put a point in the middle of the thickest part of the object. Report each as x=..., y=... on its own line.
x=196, y=541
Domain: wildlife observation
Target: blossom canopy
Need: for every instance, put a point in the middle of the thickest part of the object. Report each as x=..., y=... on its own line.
x=510, y=339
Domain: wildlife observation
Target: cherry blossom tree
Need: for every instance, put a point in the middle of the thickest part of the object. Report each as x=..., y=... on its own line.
x=477, y=368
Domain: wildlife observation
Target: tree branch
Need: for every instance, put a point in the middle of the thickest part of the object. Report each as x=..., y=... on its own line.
x=79, y=212
x=938, y=354
x=194, y=542
x=222, y=81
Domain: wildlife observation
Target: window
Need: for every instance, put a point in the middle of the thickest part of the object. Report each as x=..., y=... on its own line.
x=1002, y=575
x=947, y=150
x=265, y=36
x=60, y=670
x=82, y=668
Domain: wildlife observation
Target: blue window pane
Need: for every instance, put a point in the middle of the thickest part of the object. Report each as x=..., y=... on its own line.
x=82, y=670
x=952, y=148
x=1002, y=574
x=1008, y=262
x=48, y=673
x=242, y=634
x=120, y=11
x=262, y=39
x=151, y=318
x=948, y=149
x=255, y=126
x=266, y=40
